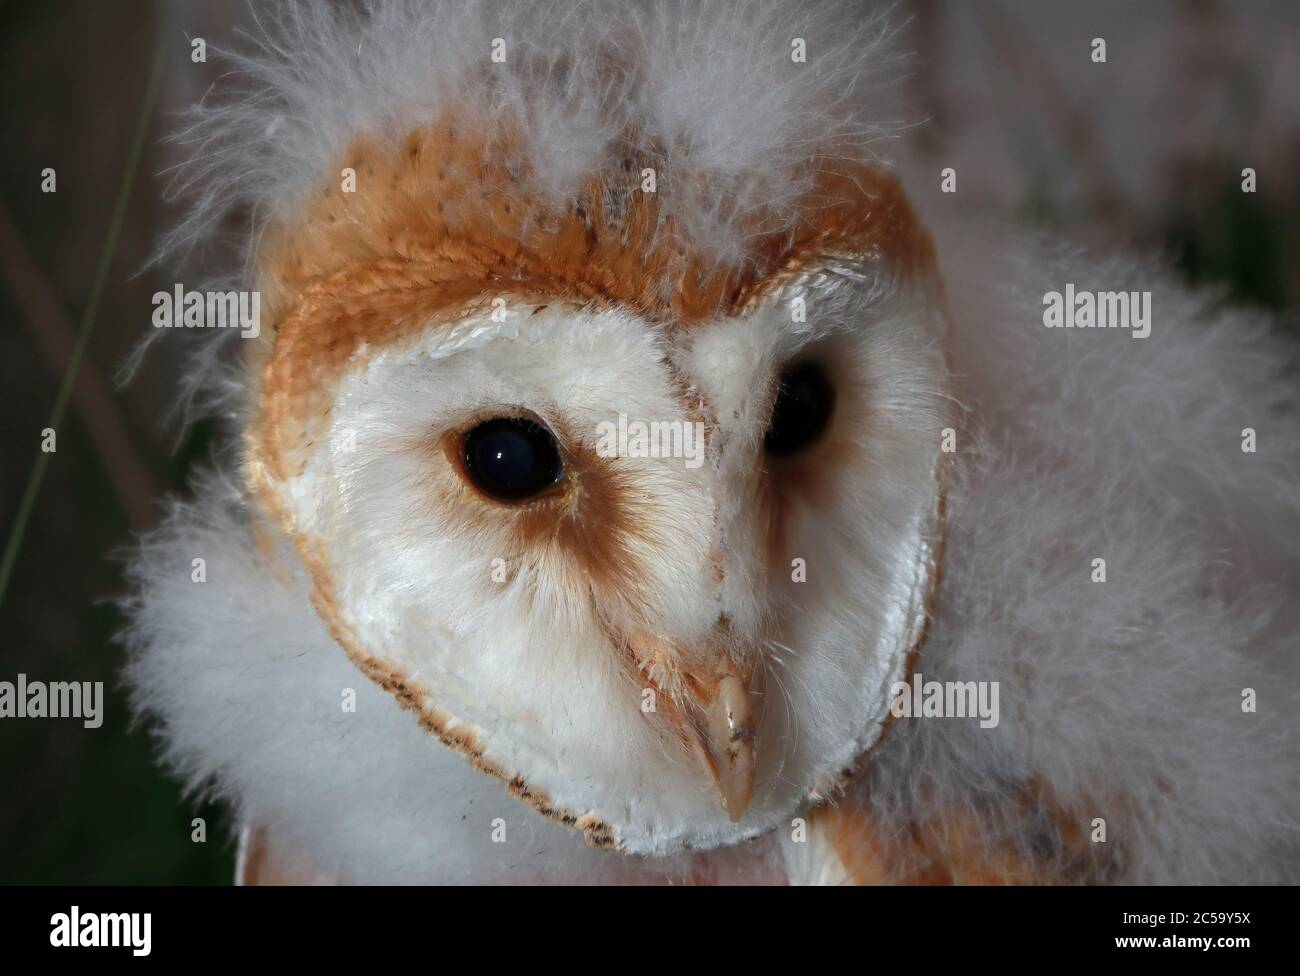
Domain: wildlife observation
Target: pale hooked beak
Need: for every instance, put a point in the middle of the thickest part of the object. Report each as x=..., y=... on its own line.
x=727, y=745
x=713, y=717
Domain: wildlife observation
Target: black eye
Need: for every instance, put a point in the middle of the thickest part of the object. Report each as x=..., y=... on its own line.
x=511, y=458
x=802, y=410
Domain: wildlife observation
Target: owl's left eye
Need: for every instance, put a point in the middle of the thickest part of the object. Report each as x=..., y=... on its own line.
x=511, y=459
x=802, y=412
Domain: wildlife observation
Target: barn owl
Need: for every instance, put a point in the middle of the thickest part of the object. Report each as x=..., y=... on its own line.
x=880, y=579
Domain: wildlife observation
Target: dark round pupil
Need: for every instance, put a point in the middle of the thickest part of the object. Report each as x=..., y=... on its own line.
x=511, y=458
x=802, y=410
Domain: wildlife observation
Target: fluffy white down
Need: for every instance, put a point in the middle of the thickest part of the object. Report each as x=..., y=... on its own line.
x=1122, y=698
x=708, y=91
x=1077, y=445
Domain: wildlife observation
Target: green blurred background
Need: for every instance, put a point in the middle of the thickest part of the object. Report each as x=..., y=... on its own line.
x=1145, y=153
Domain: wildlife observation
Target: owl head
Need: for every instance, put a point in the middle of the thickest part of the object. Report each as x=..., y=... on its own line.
x=619, y=468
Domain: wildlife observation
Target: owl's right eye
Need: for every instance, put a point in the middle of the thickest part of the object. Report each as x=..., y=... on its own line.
x=511, y=459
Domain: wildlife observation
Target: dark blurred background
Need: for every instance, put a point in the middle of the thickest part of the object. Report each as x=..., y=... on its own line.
x=1145, y=151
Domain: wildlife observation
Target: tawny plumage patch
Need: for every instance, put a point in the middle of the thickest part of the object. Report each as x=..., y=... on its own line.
x=438, y=226
x=456, y=205
x=949, y=847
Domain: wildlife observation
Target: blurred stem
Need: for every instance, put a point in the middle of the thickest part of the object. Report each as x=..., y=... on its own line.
x=92, y=399
x=87, y=324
